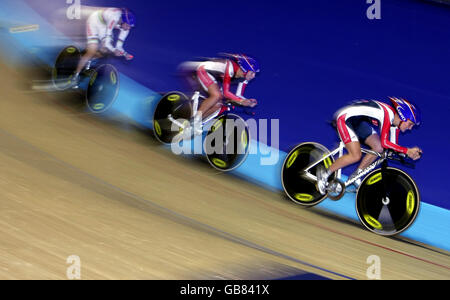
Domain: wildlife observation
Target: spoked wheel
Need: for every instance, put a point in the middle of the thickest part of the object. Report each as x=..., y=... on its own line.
x=65, y=66
x=102, y=89
x=387, y=201
x=172, y=106
x=227, y=142
x=301, y=189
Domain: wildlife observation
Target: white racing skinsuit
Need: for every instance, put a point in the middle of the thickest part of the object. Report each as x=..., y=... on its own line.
x=100, y=26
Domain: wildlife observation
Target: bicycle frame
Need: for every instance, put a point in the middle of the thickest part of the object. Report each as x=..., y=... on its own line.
x=340, y=150
x=195, y=99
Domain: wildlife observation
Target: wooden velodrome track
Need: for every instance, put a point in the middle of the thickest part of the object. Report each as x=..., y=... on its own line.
x=72, y=184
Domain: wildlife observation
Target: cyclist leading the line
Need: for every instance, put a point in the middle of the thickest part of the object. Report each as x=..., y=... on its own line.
x=99, y=31
x=238, y=67
x=355, y=124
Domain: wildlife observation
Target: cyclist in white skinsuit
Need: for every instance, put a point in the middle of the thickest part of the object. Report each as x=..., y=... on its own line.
x=99, y=30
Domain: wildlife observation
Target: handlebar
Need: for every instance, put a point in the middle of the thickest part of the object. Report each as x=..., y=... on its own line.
x=244, y=109
x=106, y=53
x=400, y=157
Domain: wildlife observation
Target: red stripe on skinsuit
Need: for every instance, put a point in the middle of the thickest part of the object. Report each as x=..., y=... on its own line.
x=385, y=132
x=342, y=129
x=204, y=78
x=226, y=84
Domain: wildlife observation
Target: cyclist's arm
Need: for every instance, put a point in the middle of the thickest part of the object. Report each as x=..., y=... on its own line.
x=414, y=153
x=112, y=19
x=227, y=84
x=241, y=88
x=394, y=133
x=389, y=136
x=121, y=39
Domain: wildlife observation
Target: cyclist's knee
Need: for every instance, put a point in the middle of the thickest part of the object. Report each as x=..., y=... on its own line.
x=355, y=157
x=354, y=152
x=216, y=96
x=92, y=50
x=378, y=149
x=218, y=105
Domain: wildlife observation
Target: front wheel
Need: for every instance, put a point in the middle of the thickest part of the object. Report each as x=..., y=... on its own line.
x=227, y=142
x=102, y=89
x=388, y=201
x=295, y=180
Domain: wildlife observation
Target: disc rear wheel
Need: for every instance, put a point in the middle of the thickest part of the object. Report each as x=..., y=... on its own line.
x=172, y=106
x=65, y=65
x=300, y=188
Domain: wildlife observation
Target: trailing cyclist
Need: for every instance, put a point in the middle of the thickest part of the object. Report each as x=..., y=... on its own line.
x=208, y=74
x=99, y=31
x=375, y=124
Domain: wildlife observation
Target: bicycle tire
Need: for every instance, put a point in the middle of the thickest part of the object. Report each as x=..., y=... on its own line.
x=230, y=135
x=389, y=210
x=65, y=65
x=296, y=187
x=179, y=106
x=103, y=88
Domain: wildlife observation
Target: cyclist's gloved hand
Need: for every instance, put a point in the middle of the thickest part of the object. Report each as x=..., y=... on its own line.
x=250, y=102
x=414, y=153
x=118, y=52
x=128, y=56
x=244, y=102
x=122, y=52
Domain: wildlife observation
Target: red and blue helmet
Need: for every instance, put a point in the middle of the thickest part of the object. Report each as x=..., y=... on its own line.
x=245, y=62
x=406, y=110
x=128, y=17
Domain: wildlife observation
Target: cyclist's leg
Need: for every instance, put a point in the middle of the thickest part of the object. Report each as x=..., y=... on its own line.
x=366, y=133
x=353, y=156
x=91, y=52
x=374, y=142
x=210, y=85
x=208, y=107
x=352, y=144
x=353, y=147
x=213, y=109
x=93, y=40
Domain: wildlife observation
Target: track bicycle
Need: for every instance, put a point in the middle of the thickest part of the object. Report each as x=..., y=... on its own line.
x=387, y=200
x=103, y=78
x=227, y=137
